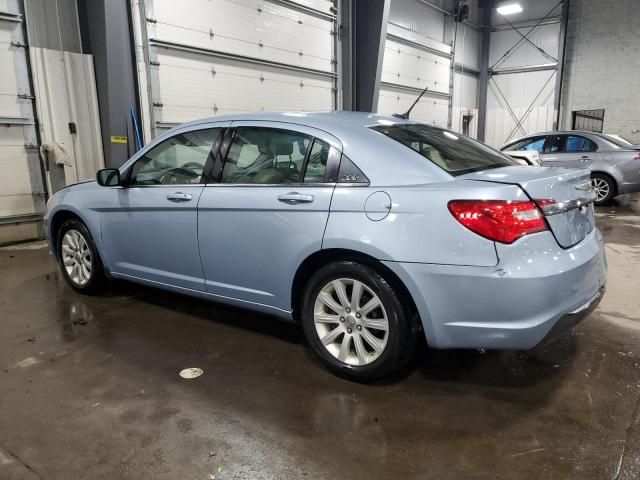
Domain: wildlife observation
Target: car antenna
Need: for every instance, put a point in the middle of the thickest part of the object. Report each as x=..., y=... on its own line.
x=406, y=114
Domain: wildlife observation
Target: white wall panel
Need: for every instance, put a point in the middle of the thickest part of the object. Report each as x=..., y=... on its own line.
x=418, y=17
x=429, y=109
x=520, y=89
x=414, y=67
x=544, y=36
x=501, y=127
x=465, y=90
x=468, y=43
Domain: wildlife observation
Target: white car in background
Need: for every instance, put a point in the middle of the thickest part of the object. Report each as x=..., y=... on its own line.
x=525, y=157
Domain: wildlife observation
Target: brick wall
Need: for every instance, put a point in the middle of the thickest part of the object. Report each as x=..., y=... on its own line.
x=602, y=64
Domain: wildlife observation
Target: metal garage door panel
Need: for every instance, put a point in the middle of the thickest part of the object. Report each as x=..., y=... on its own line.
x=325, y=6
x=429, y=110
x=9, y=106
x=189, y=89
x=261, y=30
x=16, y=197
x=412, y=67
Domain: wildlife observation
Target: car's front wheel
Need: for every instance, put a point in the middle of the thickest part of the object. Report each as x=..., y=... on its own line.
x=79, y=259
x=357, y=322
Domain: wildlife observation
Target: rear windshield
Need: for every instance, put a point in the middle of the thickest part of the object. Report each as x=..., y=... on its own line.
x=618, y=141
x=452, y=152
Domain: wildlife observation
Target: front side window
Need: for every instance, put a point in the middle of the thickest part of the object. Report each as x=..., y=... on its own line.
x=177, y=160
x=454, y=153
x=578, y=143
x=266, y=156
x=535, y=144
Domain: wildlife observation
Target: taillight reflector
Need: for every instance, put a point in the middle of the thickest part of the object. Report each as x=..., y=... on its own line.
x=499, y=220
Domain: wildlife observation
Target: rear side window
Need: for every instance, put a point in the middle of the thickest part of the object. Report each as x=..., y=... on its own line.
x=266, y=156
x=577, y=143
x=454, y=153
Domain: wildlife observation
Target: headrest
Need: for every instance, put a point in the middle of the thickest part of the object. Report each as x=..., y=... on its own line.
x=264, y=149
x=284, y=148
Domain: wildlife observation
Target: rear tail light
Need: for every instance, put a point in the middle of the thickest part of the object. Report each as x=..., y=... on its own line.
x=636, y=156
x=499, y=220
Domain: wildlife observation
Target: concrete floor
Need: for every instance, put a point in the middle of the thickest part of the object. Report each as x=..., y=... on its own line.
x=89, y=388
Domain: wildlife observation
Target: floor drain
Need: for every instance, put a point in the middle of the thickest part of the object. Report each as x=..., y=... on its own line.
x=191, y=372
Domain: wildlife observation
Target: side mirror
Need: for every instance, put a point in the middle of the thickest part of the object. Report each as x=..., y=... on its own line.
x=108, y=177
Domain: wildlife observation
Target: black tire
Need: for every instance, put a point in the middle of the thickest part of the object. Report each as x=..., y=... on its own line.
x=403, y=326
x=611, y=185
x=97, y=279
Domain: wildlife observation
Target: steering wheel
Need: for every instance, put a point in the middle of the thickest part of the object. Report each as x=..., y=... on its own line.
x=193, y=165
x=177, y=175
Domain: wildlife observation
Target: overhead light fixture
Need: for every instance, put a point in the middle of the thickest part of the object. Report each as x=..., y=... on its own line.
x=509, y=9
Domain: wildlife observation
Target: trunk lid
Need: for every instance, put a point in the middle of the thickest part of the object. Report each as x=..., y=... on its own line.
x=563, y=194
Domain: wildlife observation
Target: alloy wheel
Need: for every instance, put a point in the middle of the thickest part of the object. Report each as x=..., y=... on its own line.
x=351, y=321
x=601, y=188
x=76, y=257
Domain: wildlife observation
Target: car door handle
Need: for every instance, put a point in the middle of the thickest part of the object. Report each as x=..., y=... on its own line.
x=293, y=198
x=584, y=158
x=179, y=197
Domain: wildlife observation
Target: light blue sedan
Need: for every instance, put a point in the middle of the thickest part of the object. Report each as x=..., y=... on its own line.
x=367, y=230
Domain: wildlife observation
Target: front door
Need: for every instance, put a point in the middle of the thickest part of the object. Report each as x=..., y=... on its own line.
x=268, y=212
x=569, y=150
x=149, y=226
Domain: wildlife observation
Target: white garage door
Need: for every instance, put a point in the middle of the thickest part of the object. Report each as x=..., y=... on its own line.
x=209, y=58
x=21, y=196
x=411, y=63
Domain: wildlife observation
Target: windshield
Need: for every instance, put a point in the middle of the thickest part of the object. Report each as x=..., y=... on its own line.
x=454, y=153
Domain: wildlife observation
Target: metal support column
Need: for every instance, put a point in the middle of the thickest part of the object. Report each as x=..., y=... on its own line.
x=363, y=29
x=483, y=83
x=562, y=45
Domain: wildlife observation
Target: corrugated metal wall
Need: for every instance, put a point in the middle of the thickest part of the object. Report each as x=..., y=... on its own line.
x=418, y=54
x=526, y=95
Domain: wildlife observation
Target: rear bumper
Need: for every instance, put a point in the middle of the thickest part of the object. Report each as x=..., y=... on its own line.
x=571, y=319
x=536, y=289
x=627, y=176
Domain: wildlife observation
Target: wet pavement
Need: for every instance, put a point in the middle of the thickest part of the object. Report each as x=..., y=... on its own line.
x=90, y=388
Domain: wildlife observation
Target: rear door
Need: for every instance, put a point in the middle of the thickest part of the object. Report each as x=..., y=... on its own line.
x=569, y=150
x=267, y=211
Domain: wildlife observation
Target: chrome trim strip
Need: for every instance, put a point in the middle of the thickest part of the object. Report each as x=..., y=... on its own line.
x=562, y=207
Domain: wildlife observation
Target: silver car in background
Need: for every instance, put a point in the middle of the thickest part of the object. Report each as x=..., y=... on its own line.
x=614, y=163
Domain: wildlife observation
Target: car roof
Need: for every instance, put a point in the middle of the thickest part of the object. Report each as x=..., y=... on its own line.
x=316, y=119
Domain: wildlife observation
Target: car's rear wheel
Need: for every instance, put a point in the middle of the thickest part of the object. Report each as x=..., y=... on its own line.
x=604, y=187
x=357, y=322
x=79, y=259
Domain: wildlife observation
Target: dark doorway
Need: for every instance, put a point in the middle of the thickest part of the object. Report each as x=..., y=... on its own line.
x=590, y=120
